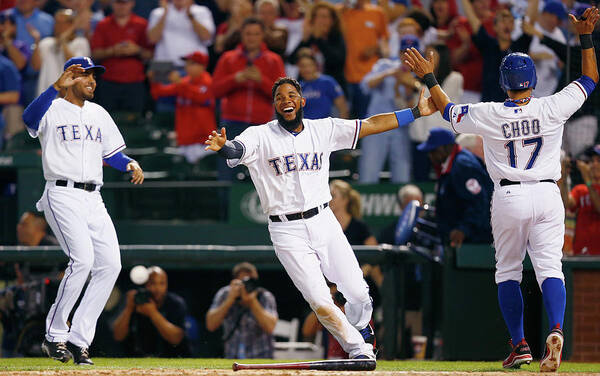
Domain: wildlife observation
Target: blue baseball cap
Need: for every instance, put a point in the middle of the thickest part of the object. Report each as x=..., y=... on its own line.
x=556, y=8
x=408, y=41
x=86, y=63
x=437, y=137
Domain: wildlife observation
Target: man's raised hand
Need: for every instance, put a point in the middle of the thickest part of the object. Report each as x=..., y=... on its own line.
x=417, y=63
x=69, y=77
x=587, y=22
x=216, y=141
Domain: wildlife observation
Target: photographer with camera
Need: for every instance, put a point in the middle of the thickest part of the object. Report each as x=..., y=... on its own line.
x=248, y=314
x=152, y=323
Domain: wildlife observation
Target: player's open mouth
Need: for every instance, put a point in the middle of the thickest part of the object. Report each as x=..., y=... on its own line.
x=288, y=110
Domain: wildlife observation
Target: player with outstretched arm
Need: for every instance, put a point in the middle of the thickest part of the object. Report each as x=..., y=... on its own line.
x=522, y=139
x=76, y=136
x=288, y=159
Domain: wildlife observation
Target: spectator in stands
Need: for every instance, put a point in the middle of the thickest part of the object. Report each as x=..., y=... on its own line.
x=178, y=28
x=248, y=314
x=322, y=33
x=419, y=131
x=243, y=80
x=320, y=90
x=473, y=143
x=493, y=49
x=383, y=84
x=15, y=50
x=195, y=109
x=32, y=26
x=228, y=33
x=275, y=36
x=546, y=62
x=366, y=36
x=32, y=230
x=10, y=86
x=464, y=190
x=52, y=52
x=311, y=326
x=346, y=206
x=584, y=200
x=120, y=43
x=582, y=128
x=153, y=321
x=464, y=56
x=292, y=20
x=443, y=13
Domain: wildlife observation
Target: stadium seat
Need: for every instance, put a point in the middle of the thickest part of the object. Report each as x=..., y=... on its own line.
x=291, y=349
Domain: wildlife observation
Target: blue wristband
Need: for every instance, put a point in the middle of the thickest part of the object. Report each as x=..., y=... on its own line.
x=119, y=161
x=404, y=117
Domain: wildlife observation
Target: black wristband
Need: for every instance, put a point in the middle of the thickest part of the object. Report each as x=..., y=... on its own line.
x=416, y=112
x=430, y=80
x=586, y=41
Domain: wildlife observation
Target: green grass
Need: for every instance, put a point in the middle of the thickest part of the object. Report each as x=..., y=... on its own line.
x=38, y=364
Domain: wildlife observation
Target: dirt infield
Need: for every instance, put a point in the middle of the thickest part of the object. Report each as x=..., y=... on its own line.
x=199, y=372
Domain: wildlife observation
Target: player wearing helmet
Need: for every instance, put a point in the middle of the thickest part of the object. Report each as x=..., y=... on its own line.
x=522, y=139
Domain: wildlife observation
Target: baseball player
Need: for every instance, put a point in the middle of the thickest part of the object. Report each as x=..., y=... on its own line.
x=288, y=159
x=76, y=137
x=522, y=140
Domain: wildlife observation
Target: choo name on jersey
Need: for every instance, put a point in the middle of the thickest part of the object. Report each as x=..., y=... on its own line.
x=520, y=128
x=74, y=132
x=296, y=162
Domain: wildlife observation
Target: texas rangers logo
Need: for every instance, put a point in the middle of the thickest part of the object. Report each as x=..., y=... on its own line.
x=463, y=111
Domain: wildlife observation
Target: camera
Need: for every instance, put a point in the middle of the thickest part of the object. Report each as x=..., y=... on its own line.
x=142, y=296
x=250, y=284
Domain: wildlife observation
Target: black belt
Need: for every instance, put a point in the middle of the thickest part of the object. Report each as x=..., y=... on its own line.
x=504, y=182
x=300, y=215
x=85, y=186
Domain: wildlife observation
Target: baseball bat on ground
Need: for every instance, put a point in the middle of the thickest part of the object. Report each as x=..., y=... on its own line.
x=319, y=365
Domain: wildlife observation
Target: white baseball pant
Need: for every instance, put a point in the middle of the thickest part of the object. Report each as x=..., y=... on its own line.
x=86, y=234
x=528, y=217
x=311, y=248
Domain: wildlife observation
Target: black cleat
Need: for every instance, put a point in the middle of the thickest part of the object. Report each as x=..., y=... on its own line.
x=81, y=356
x=56, y=350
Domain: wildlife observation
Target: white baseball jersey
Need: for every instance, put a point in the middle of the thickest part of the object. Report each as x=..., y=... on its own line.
x=291, y=173
x=521, y=143
x=75, y=139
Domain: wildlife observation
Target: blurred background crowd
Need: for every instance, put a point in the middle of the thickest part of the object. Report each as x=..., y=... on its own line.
x=172, y=62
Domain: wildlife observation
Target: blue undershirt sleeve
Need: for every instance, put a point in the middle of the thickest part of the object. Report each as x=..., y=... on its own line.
x=587, y=83
x=34, y=113
x=118, y=161
x=446, y=114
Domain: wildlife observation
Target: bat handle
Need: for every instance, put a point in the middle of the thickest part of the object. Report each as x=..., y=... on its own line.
x=236, y=366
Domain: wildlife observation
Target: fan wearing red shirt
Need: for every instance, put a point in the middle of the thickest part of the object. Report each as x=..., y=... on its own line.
x=584, y=199
x=194, y=111
x=120, y=43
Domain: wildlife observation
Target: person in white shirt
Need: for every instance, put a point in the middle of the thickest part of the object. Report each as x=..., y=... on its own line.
x=178, y=28
x=52, y=52
x=288, y=160
x=77, y=136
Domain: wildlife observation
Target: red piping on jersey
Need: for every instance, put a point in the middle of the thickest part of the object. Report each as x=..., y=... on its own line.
x=581, y=88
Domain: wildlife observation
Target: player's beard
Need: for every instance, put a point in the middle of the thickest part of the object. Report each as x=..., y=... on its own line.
x=290, y=125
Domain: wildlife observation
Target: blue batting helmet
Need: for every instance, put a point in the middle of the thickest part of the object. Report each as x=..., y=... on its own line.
x=517, y=72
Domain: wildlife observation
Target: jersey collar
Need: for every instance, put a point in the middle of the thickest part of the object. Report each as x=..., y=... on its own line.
x=516, y=102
